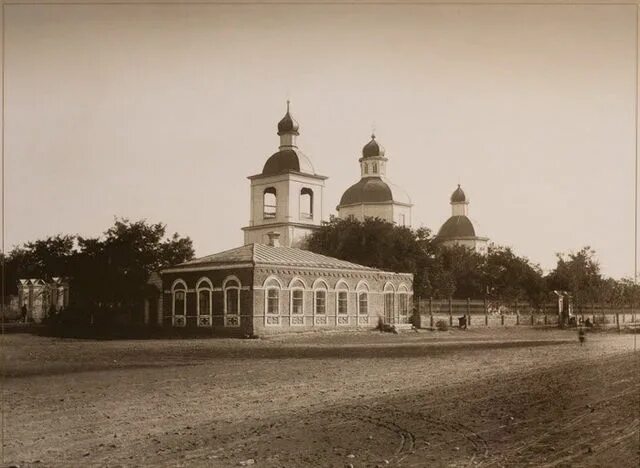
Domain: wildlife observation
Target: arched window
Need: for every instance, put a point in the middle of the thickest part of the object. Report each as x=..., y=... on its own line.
x=269, y=202
x=297, y=297
x=296, y=301
x=342, y=298
x=204, y=290
x=389, y=294
x=403, y=304
x=231, y=288
x=375, y=168
x=320, y=290
x=366, y=168
x=362, y=292
x=306, y=203
x=179, y=303
x=272, y=289
x=342, y=303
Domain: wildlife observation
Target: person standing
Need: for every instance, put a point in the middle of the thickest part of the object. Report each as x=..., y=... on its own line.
x=23, y=312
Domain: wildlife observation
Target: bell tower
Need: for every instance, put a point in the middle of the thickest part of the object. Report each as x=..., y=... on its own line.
x=287, y=196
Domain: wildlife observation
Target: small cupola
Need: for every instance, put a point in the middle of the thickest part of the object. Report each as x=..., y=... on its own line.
x=458, y=196
x=288, y=125
x=373, y=149
x=459, y=202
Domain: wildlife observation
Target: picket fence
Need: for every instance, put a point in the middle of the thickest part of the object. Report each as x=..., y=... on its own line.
x=486, y=313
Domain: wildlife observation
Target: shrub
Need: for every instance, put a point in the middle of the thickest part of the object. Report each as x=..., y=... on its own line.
x=442, y=325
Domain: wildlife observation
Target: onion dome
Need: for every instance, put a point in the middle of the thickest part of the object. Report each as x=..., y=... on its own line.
x=288, y=124
x=373, y=190
x=288, y=160
x=457, y=226
x=458, y=196
x=372, y=149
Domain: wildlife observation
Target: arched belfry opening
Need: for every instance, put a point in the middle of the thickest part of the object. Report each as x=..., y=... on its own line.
x=269, y=202
x=306, y=203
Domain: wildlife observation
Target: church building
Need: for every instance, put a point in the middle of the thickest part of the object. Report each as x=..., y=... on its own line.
x=269, y=285
x=458, y=229
x=374, y=196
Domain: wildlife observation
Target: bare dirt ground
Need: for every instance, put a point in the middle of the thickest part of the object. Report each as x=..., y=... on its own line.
x=475, y=398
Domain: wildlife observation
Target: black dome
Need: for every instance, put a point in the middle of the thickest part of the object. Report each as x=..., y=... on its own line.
x=457, y=226
x=367, y=190
x=287, y=160
x=288, y=124
x=372, y=149
x=458, y=196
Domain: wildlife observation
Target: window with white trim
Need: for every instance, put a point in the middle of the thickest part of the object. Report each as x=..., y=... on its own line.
x=273, y=301
x=297, y=302
x=363, y=303
x=179, y=299
x=343, y=303
x=320, y=302
x=232, y=303
x=204, y=291
x=179, y=304
x=204, y=301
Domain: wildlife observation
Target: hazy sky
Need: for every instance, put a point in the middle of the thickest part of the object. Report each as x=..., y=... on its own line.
x=160, y=112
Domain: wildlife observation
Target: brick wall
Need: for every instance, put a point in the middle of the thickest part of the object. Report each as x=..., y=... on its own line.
x=217, y=278
x=306, y=278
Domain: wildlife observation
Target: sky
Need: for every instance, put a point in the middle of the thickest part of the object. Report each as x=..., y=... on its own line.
x=160, y=112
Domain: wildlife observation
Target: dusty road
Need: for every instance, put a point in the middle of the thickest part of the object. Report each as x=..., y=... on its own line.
x=475, y=398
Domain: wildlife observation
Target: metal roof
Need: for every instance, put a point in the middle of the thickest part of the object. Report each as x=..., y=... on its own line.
x=455, y=227
x=261, y=254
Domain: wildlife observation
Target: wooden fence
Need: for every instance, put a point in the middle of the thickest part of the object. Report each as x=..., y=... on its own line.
x=486, y=313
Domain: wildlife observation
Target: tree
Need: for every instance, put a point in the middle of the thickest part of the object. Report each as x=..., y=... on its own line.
x=465, y=268
x=109, y=270
x=579, y=273
x=114, y=269
x=44, y=258
x=380, y=244
x=509, y=277
x=372, y=242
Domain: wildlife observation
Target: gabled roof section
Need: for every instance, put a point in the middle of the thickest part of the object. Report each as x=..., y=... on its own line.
x=266, y=254
x=242, y=254
x=261, y=254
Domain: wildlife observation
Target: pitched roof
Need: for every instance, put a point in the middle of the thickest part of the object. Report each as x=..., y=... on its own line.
x=265, y=254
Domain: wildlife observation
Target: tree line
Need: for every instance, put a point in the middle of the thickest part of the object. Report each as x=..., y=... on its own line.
x=110, y=270
x=459, y=272
x=113, y=269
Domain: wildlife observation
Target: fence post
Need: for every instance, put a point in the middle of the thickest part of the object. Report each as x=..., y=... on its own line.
x=450, y=311
x=486, y=312
x=468, y=311
x=517, y=313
